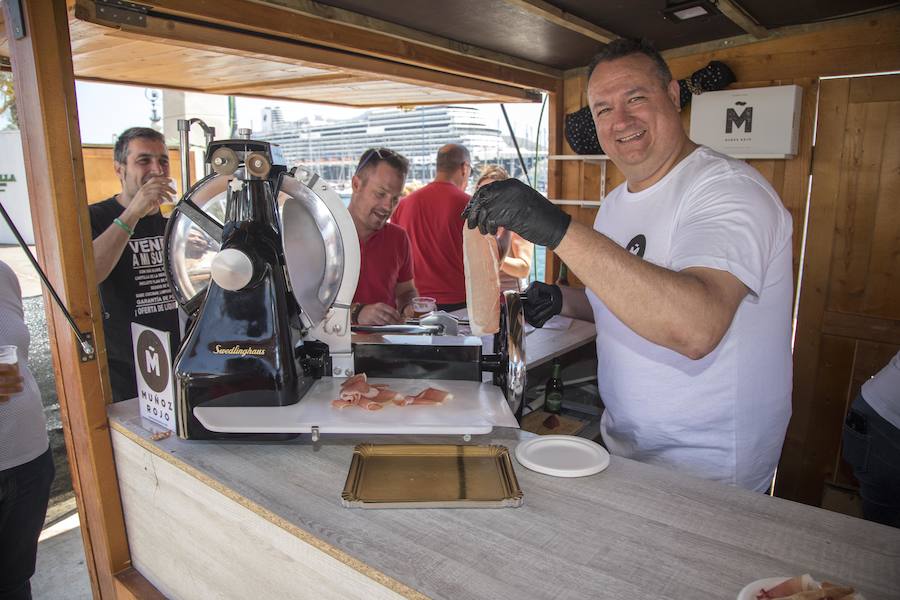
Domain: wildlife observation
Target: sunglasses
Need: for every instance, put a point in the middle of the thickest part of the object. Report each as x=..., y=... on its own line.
x=382, y=154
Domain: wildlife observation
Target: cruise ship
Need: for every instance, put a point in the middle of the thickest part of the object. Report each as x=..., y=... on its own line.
x=333, y=147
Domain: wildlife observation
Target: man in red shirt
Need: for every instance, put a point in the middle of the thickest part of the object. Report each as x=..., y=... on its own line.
x=385, y=286
x=432, y=216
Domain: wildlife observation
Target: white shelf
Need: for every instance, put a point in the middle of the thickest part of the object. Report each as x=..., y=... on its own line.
x=590, y=203
x=600, y=159
x=587, y=157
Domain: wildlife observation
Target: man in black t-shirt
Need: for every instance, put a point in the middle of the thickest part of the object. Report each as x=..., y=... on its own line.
x=128, y=253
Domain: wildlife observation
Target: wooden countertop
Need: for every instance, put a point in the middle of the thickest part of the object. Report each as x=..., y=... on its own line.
x=633, y=531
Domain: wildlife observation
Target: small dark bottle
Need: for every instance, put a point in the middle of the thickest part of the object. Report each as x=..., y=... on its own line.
x=563, y=278
x=553, y=393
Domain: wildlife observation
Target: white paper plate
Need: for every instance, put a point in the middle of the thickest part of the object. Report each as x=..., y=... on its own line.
x=751, y=589
x=562, y=456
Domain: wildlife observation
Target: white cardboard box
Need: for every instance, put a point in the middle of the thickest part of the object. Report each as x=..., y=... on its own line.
x=749, y=123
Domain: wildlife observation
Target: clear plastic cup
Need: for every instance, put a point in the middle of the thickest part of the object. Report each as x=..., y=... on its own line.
x=166, y=208
x=422, y=305
x=9, y=355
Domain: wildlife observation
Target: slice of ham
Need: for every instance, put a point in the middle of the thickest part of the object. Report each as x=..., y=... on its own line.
x=427, y=396
x=805, y=588
x=367, y=404
x=354, y=379
x=434, y=395
x=386, y=395
x=356, y=391
x=481, y=259
x=786, y=588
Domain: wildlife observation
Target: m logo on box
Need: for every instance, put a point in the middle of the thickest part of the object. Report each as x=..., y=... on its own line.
x=734, y=120
x=153, y=362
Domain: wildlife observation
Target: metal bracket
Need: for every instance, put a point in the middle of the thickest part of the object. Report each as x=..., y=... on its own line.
x=89, y=353
x=17, y=21
x=122, y=12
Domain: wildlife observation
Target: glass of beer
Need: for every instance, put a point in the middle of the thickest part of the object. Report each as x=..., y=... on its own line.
x=422, y=305
x=9, y=365
x=167, y=207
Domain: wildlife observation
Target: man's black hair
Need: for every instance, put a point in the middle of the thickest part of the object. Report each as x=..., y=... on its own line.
x=120, y=153
x=623, y=47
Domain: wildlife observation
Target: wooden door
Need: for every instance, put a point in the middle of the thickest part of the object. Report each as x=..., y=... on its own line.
x=848, y=323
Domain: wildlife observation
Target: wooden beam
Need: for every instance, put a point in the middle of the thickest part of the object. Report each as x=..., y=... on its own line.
x=271, y=20
x=558, y=16
x=45, y=90
x=739, y=17
x=888, y=16
x=292, y=82
x=131, y=585
x=259, y=45
x=337, y=15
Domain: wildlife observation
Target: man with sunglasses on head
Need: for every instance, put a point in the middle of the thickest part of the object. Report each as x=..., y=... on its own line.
x=431, y=217
x=385, y=286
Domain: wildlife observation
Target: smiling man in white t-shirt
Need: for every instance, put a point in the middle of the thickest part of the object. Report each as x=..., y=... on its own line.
x=688, y=277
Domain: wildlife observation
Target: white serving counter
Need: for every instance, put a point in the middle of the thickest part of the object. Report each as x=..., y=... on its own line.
x=255, y=520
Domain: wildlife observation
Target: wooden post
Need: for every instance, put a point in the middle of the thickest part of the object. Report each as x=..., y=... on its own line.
x=45, y=91
x=555, y=118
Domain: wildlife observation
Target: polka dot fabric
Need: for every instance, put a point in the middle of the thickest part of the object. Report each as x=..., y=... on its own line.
x=581, y=133
x=714, y=76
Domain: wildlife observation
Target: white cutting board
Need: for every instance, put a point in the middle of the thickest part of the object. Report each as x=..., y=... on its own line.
x=476, y=408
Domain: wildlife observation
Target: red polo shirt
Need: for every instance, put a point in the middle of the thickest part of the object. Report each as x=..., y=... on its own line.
x=432, y=217
x=385, y=261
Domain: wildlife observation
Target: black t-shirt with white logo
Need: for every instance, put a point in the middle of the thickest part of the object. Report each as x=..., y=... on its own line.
x=135, y=291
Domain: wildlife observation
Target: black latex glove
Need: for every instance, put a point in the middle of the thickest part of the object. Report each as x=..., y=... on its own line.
x=542, y=301
x=516, y=206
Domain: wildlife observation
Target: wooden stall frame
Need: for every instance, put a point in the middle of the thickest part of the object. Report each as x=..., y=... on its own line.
x=42, y=66
x=45, y=86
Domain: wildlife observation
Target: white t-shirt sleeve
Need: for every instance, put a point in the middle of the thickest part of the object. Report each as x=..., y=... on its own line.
x=733, y=224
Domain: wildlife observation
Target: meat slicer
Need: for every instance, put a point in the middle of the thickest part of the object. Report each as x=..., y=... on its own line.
x=265, y=260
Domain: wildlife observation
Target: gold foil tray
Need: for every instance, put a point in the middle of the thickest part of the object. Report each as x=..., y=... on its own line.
x=431, y=476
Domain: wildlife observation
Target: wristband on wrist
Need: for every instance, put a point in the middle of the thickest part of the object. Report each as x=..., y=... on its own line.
x=355, y=309
x=124, y=226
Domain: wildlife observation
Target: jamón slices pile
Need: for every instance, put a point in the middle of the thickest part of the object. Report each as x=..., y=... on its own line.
x=806, y=588
x=357, y=391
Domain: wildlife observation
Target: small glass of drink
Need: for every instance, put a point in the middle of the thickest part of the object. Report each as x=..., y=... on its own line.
x=9, y=365
x=167, y=207
x=422, y=305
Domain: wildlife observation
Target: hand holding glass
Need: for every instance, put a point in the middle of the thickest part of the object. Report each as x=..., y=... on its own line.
x=167, y=206
x=422, y=305
x=10, y=380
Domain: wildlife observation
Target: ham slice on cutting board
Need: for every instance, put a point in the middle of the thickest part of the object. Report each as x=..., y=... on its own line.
x=357, y=391
x=482, y=264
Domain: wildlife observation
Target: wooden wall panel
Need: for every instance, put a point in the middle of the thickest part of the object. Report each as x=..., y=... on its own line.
x=883, y=272
x=831, y=392
x=100, y=176
x=855, y=218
